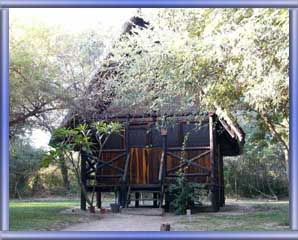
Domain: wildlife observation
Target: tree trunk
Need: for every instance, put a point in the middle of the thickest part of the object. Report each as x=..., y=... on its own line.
x=272, y=128
x=64, y=173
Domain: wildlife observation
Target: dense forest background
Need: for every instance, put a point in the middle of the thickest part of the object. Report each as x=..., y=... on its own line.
x=233, y=61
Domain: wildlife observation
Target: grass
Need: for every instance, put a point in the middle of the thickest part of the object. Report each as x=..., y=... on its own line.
x=236, y=216
x=259, y=217
x=38, y=215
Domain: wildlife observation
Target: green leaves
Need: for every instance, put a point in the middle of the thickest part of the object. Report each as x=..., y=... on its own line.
x=80, y=138
x=183, y=193
x=205, y=59
x=107, y=128
x=49, y=68
x=67, y=141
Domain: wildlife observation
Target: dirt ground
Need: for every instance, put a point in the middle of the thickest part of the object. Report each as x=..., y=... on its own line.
x=228, y=218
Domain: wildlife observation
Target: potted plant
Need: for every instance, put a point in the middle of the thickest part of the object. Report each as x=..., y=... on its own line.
x=91, y=209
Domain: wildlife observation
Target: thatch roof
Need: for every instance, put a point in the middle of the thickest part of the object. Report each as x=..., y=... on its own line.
x=97, y=102
x=97, y=97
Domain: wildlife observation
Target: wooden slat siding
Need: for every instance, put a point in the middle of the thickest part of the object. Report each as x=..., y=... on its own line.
x=185, y=160
x=144, y=165
x=120, y=163
x=180, y=133
x=110, y=163
x=203, y=161
x=136, y=162
x=113, y=150
x=132, y=167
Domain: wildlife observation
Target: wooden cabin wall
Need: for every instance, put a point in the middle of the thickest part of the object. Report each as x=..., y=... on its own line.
x=145, y=153
x=106, y=171
x=204, y=161
x=144, y=165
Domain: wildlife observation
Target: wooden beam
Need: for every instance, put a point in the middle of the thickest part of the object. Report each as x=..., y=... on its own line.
x=188, y=148
x=161, y=167
x=164, y=134
x=190, y=175
x=105, y=176
x=188, y=161
x=124, y=178
x=114, y=150
x=108, y=163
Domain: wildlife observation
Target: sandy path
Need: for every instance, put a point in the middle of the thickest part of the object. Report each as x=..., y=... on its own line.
x=126, y=222
x=121, y=222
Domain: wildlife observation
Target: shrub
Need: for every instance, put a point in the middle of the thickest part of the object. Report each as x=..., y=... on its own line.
x=183, y=193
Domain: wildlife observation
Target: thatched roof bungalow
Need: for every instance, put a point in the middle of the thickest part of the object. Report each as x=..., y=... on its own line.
x=149, y=158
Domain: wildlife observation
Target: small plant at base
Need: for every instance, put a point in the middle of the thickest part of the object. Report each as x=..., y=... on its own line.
x=183, y=194
x=182, y=190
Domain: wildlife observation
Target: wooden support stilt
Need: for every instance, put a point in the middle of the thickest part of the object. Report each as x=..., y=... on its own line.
x=98, y=199
x=137, y=196
x=167, y=202
x=155, y=199
x=214, y=167
x=125, y=181
x=222, y=182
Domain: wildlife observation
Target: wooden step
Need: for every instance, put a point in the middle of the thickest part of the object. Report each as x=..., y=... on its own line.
x=144, y=199
x=144, y=191
x=143, y=211
x=144, y=186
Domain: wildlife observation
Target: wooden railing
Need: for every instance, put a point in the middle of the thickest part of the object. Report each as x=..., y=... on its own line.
x=184, y=162
x=95, y=164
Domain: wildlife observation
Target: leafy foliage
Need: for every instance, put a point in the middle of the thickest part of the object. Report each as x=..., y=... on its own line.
x=187, y=60
x=48, y=70
x=183, y=193
x=231, y=61
x=25, y=161
x=260, y=171
x=67, y=141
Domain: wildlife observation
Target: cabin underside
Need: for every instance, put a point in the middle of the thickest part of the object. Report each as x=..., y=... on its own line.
x=146, y=159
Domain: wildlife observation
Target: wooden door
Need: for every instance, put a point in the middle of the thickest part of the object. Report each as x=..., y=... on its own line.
x=144, y=165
